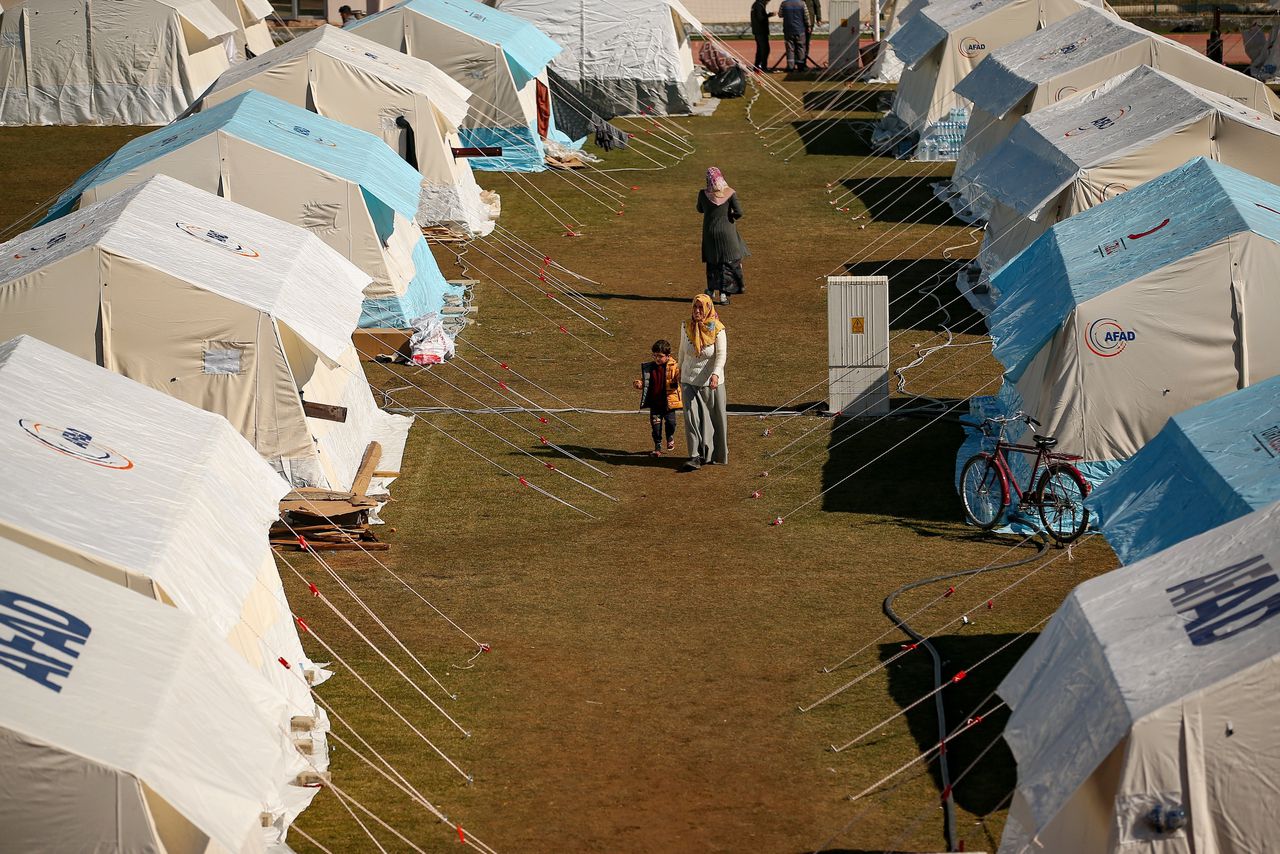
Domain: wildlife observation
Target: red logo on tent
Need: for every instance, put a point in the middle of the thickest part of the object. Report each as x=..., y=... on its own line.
x=75, y=443
x=50, y=242
x=1110, y=191
x=1149, y=231
x=1064, y=50
x=970, y=47
x=1106, y=337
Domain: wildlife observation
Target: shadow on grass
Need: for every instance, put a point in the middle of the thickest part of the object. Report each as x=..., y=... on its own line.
x=906, y=199
x=840, y=137
x=636, y=297
x=923, y=313
x=983, y=789
x=616, y=457
x=849, y=100
x=912, y=482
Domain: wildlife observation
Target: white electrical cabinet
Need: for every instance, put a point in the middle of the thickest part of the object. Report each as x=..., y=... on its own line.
x=858, y=344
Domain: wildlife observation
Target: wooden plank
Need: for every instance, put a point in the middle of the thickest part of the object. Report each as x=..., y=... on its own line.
x=324, y=411
x=327, y=509
x=386, y=473
x=368, y=465
x=384, y=342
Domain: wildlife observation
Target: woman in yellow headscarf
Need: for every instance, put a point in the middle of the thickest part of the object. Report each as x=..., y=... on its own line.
x=703, y=351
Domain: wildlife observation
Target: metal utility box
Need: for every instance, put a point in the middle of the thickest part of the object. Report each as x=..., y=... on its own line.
x=858, y=344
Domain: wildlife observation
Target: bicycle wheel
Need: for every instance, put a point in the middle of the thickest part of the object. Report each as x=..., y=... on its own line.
x=983, y=491
x=1061, y=496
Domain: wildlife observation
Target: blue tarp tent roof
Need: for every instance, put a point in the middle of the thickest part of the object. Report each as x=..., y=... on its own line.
x=527, y=48
x=1209, y=465
x=351, y=154
x=388, y=184
x=1070, y=264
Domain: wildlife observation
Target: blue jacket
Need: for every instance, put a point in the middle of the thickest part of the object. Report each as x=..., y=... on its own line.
x=795, y=17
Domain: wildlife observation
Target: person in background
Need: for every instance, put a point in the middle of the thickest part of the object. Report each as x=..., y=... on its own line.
x=722, y=247
x=1213, y=49
x=760, y=16
x=815, y=9
x=659, y=386
x=797, y=22
x=703, y=352
x=345, y=13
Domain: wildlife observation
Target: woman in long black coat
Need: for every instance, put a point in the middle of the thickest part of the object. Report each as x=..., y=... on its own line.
x=722, y=248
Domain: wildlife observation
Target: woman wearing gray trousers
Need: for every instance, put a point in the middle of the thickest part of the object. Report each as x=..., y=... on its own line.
x=703, y=351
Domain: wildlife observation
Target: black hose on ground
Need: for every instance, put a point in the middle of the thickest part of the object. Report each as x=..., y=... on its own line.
x=948, y=803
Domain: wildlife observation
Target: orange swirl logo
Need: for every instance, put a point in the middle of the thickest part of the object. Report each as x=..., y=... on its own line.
x=75, y=443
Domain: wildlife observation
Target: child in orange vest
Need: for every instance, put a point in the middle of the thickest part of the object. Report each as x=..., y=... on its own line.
x=659, y=386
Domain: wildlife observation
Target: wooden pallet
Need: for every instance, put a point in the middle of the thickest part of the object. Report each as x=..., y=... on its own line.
x=331, y=520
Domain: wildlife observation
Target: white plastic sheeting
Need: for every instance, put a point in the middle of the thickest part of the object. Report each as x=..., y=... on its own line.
x=630, y=55
x=1155, y=686
x=213, y=303
x=126, y=725
x=126, y=62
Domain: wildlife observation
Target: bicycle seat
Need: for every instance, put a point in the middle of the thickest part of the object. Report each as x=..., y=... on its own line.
x=1045, y=442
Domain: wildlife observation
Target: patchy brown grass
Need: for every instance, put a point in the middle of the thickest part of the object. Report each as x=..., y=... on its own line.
x=647, y=663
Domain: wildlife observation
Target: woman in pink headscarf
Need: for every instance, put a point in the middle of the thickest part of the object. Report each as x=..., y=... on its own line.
x=722, y=248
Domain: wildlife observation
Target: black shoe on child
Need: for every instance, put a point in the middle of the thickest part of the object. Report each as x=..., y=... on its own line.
x=690, y=466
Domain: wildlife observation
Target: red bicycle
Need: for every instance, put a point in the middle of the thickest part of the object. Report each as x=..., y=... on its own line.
x=1058, y=496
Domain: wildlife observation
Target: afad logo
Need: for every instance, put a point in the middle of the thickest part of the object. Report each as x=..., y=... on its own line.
x=368, y=54
x=75, y=443
x=970, y=47
x=217, y=238
x=304, y=132
x=1065, y=92
x=1107, y=338
x=1102, y=122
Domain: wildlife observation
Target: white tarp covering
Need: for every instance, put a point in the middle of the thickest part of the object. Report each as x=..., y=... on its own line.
x=216, y=304
x=1155, y=686
x=632, y=56
x=126, y=725
x=946, y=40
x=124, y=62
x=888, y=67
x=1071, y=57
x=346, y=77
x=151, y=494
x=1071, y=156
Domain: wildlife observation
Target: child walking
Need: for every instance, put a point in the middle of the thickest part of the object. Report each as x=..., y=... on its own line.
x=659, y=386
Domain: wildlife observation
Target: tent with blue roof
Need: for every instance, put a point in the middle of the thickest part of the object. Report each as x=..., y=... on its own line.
x=1147, y=305
x=1209, y=465
x=1076, y=154
x=409, y=104
x=344, y=185
x=500, y=58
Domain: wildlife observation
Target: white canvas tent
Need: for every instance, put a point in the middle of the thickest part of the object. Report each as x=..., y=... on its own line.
x=887, y=67
x=1154, y=688
x=408, y=103
x=157, y=496
x=130, y=62
x=341, y=184
x=1071, y=57
x=126, y=725
x=942, y=43
x=1158, y=300
x=1071, y=156
x=251, y=36
x=633, y=56
x=501, y=59
x=217, y=305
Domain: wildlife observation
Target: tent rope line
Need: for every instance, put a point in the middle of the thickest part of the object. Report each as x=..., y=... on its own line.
x=342, y=800
x=317, y=593
x=569, y=455
x=559, y=326
x=523, y=481
x=513, y=372
x=508, y=442
x=521, y=257
x=477, y=247
x=310, y=630
x=533, y=408
x=911, y=647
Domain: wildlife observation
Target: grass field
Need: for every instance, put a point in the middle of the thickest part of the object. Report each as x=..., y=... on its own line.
x=647, y=663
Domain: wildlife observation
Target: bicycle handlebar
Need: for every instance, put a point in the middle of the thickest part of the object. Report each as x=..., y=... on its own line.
x=1004, y=419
